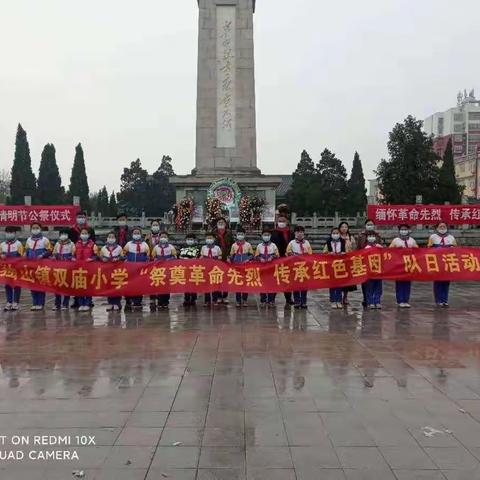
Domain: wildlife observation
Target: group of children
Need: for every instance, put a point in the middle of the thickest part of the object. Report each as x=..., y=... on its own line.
x=156, y=246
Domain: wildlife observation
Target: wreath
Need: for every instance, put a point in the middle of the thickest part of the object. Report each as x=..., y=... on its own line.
x=184, y=213
x=213, y=208
x=251, y=209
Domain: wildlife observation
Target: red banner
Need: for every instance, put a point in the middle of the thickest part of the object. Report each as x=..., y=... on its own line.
x=206, y=275
x=43, y=214
x=424, y=214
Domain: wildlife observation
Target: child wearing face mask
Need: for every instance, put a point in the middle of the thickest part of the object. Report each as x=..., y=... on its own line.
x=241, y=252
x=299, y=246
x=403, y=288
x=85, y=251
x=266, y=252
x=441, y=239
x=122, y=232
x=112, y=252
x=37, y=246
x=163, y=250
x=11, y=248
x=210, y=250
x=224, y=239
x=153, y=239
x=373, y=287
x=190, y=252
x=64, y=250
x=137, y=251
x=335, y=245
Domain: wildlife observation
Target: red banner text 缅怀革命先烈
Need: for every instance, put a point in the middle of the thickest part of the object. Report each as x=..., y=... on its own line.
x=424, y=214
x=205, y=275
x=43, y=214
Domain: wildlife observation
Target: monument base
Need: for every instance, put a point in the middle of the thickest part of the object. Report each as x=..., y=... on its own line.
x=197, y=187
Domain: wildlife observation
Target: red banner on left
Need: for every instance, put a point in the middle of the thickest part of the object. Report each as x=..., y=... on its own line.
x=44, y=214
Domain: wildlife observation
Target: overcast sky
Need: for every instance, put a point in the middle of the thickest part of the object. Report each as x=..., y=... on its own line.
x=120, y=77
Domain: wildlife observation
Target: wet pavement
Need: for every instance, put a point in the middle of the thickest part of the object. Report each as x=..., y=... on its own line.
x=236, y=394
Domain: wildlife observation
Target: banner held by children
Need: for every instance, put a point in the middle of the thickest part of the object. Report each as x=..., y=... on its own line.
x=206, y=275
x=424, y=214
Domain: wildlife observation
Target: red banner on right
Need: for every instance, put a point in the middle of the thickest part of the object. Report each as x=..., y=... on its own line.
x=424, y=214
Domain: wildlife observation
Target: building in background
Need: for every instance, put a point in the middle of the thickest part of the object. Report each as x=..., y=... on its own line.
x=462, y=125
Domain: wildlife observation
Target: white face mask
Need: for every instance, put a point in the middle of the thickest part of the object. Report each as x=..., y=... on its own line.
x=84, y=236
x=404, y=233
x=209, y=241
x=9, y=236
x=122, y=223
x=36, y=231
x=163, y=240
x=335, y=236
x=155, y=228
x=371, y=239
x=266, y=238
x=111, y=240
x=240, y=236
x=136, y=236
x=442, y=231
x=63, y=237
x=81, y=220
x=369, y=227
x=282, y=225
x=190, y=242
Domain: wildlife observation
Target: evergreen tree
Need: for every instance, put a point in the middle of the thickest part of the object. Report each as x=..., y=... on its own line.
x=161, y=191
x=23, y=180
x=79, y=181
x=329, y=189
x=133, y=197
x=356, y=191
x=413, y=165
x=102, y=202
x=112, y=206
x=299, y=194
x=448, y=188
x=50, y=190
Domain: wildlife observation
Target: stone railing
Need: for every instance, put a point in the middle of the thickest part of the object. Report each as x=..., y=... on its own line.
x=315, y=222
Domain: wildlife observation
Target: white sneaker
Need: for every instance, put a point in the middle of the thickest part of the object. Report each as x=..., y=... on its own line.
x=334, y=305
x=406, y=305
x=340, y=306
x=401, y=305
x=7, y=307
x=14, y=306
x=378, y=306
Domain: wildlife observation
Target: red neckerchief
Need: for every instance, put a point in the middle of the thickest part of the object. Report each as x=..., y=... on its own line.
x=139, y=247
x=240, y=247
x=221, y=234
x=111, y=250
x=35, y=243
x=286, y=233
x=60, y=250
x=9, y=246
x=210, y=248
x=265, y=249
x=302, y=248
x=406, y=242
x=442, y=241
x=162, y=249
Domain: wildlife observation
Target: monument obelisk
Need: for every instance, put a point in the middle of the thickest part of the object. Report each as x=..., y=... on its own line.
x=226, y=139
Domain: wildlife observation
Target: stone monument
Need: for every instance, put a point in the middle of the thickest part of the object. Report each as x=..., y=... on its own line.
x=226, y=143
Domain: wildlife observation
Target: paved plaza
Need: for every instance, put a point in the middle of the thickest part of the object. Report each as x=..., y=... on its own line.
x=235, y=394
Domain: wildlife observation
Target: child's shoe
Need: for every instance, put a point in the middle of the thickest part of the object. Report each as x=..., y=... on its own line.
x=14, y=307
x=7, y=307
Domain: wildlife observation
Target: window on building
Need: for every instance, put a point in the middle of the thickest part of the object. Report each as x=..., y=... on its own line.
x=458, y=127
x=472, y=148
x=474, y=116
x=474, y=137
x=473, y=126
x=458, y=138
x=458, y=149
x=440, y=125
x=458, y=117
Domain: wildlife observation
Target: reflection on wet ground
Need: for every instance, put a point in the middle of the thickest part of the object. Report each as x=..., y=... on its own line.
x=247, y=393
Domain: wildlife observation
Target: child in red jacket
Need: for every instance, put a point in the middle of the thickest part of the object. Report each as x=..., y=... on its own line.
x=86, y=251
